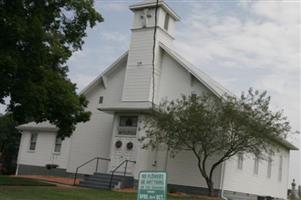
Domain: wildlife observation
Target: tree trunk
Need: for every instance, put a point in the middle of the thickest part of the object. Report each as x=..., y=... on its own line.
x=210, y=187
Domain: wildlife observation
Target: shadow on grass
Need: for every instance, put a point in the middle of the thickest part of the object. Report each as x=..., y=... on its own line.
x=17, y=181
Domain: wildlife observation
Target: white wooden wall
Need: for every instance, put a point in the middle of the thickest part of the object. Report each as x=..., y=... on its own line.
x=174, y=81
x=247, y=182
x=44, y=152
x=93, y=138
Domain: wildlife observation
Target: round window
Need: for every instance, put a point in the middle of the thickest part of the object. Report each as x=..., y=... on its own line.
x=118, y=144
x=129, y=145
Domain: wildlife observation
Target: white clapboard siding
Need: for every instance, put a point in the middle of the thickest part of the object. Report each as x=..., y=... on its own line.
x=93, y=138
x=247, y=182
x=138, y=79
x=44, y=152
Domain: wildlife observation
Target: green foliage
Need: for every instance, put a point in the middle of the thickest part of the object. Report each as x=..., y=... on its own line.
x=37, y=37
x=216, y=129
x=9, y=143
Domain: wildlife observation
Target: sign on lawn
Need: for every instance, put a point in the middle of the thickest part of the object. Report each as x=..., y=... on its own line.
x=152, y=185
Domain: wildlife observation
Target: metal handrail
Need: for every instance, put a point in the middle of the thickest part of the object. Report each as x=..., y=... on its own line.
x=97, y=162
x=115, y=169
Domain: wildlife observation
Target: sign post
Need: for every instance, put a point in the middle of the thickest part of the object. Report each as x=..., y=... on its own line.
x=152, y=185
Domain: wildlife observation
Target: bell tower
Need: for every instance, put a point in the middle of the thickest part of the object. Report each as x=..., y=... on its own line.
x=148, y=16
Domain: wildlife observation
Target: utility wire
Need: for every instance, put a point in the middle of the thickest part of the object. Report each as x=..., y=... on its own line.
x=154, y=52
x=153, y=75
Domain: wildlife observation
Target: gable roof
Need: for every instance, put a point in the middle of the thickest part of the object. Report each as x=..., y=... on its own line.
x=153, y=3
x=211, y=84
x=283, y=142
x=101, y=76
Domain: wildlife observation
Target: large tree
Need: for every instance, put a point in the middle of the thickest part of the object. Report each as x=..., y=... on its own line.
x=9, y=143
x=215, y=129
x=36, y=39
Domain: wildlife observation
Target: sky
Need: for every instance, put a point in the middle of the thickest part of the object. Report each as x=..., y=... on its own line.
x=240, y=44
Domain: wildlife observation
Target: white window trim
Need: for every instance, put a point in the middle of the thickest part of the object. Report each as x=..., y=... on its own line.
x=240, y=161
x=256, y=166
x=166, y=22
x=269, y=167
x=29, y=145
x=57, y=152
x=118, y=126
x=280, y=170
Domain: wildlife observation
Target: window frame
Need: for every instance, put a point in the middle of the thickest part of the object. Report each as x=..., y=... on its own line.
x=55, y=145
x=280, y=170
x=240, y=161
x=256, y=165
x=269, y=167
x=127, y=128
x=31, y=141
x=166, y=21
x=100, y=100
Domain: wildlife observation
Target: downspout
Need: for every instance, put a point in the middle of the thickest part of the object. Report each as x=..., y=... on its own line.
x=166, y=159
x=222, y=180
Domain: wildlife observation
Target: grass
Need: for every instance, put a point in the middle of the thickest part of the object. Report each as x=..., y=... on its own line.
x=17, y=181
x=12, y=188
x=38, y=193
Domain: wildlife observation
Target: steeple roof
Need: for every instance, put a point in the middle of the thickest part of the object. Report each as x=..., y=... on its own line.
x=152, y=3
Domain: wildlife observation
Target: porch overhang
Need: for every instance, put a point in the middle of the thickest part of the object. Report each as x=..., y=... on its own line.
x=132, y=107
x=41, y=127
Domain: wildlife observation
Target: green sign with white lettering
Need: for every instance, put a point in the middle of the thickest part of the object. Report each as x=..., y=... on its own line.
x=152, y=185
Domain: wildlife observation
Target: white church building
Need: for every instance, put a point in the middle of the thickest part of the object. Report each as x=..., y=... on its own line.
x=118, y=100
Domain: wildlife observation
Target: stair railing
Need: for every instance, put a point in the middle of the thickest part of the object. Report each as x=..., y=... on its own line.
x=89, y=161
x=116, y=168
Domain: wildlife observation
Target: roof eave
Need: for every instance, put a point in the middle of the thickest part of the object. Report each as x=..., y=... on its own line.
x=169, y=10
x=218, y=94
x=45, y=129
x=286, y=144
x=101, y=76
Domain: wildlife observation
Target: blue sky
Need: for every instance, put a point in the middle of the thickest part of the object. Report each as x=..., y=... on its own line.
x=239, y=43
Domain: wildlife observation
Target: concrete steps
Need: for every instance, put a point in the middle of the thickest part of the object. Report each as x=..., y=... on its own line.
x=102, y=181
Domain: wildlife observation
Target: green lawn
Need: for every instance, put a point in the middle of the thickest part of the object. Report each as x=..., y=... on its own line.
x=17, y=181
x=16, y=188
x=34, y=193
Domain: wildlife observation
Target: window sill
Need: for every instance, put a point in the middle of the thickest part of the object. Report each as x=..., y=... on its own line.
x=56, y=153
x=126, y=136
x=31, y=151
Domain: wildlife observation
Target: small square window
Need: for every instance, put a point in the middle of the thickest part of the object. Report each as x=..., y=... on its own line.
x=194, y=95
x=128, y=125
x=100, y=100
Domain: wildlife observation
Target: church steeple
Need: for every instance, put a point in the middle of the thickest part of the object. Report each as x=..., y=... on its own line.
x=139, y=71
x=144, y=15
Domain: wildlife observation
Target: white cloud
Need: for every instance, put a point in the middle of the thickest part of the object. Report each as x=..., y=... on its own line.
x=261, y=41
x=259, y=46
x=82, y=80
x=115, y=37
x=282, y=12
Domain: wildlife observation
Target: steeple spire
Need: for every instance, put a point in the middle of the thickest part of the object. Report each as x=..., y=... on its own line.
x=148, y=31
